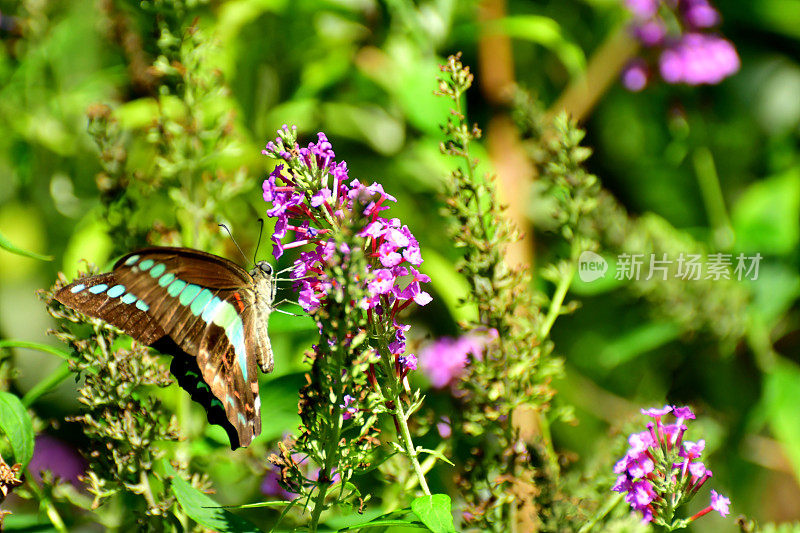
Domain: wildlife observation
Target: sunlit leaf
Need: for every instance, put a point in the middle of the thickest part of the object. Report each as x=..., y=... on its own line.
x=765, y=216
x=435, y=512
x=204, y=510
x=781, y=401
x=17, y=426
x=6, y=245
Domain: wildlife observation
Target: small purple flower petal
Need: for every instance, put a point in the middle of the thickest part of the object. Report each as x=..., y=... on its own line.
x=720, y=503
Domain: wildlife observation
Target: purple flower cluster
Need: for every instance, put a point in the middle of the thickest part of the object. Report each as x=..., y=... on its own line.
x=444, y=361
x=677, y=34
x=661, y=471
x=311, y=194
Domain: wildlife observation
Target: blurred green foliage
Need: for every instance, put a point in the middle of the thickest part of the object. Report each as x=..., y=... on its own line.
x=194, y=89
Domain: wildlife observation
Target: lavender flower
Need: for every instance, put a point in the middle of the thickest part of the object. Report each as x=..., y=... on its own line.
x=673, y=34
x=661, y=472
x=444, y=361
x=64, y=461
x=698, y=59
x=311, y=194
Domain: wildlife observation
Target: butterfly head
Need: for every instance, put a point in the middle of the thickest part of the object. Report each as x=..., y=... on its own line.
x=262, y=270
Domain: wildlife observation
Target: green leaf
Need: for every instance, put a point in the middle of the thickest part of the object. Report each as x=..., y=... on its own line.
x=546, y=32
x=280, y=323
x=63, y=354
x=434, y=511
x=450, y=285
x=437, y=454
x=203, y=509
x=17, y=426
x=279, y=397
x=765, y=215
x=628, y=345
x=781, y=399
x=393, y=518
x=376, y=523
x=5, y=244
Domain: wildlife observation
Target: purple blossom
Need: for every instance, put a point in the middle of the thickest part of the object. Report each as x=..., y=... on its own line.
x=699, y=13
x=348, y=411
x=63, y=460
x=698, y=59
x=444, y=361
x=407, y=362
x=657, y=413
x=650, y=32
x=310, y=194
x=271, y=486
x=443, y=427
x=693, y=450
x=659, y=467
x=720, y=503
x=642, y=8
x=689, y=54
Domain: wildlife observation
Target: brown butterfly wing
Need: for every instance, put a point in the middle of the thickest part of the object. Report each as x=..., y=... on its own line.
x=104, y=297
x=204, y=303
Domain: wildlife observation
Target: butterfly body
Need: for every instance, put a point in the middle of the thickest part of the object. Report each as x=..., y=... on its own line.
x=210, y=307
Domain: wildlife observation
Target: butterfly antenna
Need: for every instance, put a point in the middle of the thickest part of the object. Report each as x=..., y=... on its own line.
x=223, y=226
x=258, y=242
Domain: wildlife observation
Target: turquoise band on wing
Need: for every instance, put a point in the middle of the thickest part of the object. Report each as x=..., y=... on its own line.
x=200, y=300
x=157, y=270
x=115, y=291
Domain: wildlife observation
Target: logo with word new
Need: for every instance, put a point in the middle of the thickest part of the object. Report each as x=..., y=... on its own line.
x=591, y=266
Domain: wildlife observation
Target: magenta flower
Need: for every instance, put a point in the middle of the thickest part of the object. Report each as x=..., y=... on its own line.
x=720, y=503
x=310, y=195
x=347, y=408
x=660, y=472
x=688, y=53
x=444, y=361
x=63, y=460
x=698, y=59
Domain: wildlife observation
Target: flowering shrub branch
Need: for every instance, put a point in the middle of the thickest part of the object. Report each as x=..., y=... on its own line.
x=360, y=274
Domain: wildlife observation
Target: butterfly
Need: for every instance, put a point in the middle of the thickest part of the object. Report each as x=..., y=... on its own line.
x=208, y=306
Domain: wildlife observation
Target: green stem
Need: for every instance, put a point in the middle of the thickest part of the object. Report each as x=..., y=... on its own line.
x=400, y=417
x=147, y=490
x=558, y=297
x=411, y=451
x=601, y=513
x=711, y=191
x=334, y=434
x=47, y=504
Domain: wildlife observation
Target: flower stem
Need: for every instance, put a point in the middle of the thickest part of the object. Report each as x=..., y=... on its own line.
x=708, y=181
x=561, y=292
x=411, y=451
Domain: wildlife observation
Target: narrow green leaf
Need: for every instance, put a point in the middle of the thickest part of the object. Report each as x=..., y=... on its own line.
x=5, y=244
x=546, y=32
x=63, y=354
x=434, y=511
x=438, y=455
x=203, y=509
x=17, y=426
x=376, y=523
x=781, y=398
x=628, y=345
